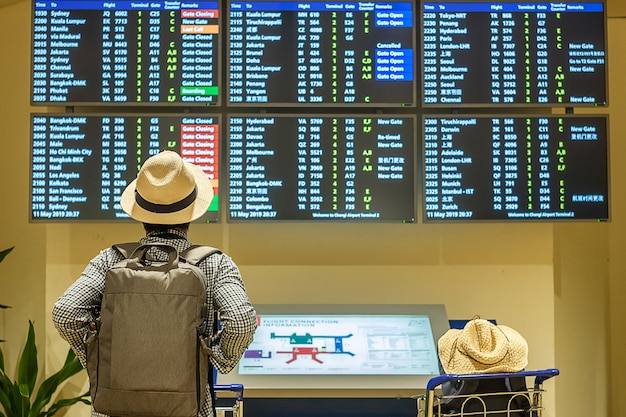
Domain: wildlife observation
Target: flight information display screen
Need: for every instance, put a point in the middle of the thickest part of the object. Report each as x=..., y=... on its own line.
x=514, y=53
x=81, y=164
x=515, y=168
x=126, y=52
x=341, y=344
x=308, y=167
x=322, y=53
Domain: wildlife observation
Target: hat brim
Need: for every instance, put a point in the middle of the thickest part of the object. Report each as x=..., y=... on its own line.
x=192, y=212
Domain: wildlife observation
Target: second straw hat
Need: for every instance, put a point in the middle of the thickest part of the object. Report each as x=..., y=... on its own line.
x=482, y=347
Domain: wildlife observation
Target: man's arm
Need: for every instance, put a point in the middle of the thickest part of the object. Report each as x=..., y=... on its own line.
x=237, y=316
x=80, y=304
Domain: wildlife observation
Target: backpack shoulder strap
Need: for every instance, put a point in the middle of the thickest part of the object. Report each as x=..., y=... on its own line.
x=196, y=253
x=126, y=249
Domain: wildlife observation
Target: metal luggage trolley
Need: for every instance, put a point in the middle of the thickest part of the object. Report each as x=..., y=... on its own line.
x=522, y=402
x=229, y=400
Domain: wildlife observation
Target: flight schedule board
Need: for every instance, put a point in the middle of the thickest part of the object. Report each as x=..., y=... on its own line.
x=125, y=52
x=515, y=168
x=321, y=167
x=81, y=164
x=321, y=53
x=514, y=53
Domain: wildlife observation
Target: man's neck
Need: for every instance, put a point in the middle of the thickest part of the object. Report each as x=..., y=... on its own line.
x=176, y=232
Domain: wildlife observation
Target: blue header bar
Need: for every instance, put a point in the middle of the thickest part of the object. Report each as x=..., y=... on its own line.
x=321, y=6
x=125, y=5
x=496, y=7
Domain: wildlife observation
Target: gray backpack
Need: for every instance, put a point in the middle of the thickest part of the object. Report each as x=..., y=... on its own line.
x=146, y=354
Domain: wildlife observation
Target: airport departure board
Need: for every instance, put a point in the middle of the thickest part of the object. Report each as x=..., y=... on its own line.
x=126, y=52
x=515, y=168
x=321, y=167
x=322, y=53
x=81, y=164
x=514, y=53
x=316, y=105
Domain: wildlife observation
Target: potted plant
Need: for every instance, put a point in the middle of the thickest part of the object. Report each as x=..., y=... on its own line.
x=22, y=398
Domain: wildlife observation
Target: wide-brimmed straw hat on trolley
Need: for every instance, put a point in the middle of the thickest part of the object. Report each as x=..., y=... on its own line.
x=482, y=347
x=167, y=190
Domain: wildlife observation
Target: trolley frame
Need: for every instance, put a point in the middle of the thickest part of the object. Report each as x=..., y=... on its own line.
x=429, y=403
x=229, y=405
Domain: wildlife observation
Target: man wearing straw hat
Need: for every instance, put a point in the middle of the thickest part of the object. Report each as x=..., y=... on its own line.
x=167, y=195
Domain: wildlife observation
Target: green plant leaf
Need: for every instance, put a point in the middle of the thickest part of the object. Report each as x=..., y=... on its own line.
x=71, y=367
x=10, y=397
x=24, y=391
x=66, y=402
x=16, y=397
x=7, y=388
x=5, y=382
x=5, y=252
x=71, y=357
x=4, y=399
x=28, y=366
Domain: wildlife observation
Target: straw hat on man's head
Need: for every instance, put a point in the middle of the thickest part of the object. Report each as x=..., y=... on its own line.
x=167, y=191
x=482, y=347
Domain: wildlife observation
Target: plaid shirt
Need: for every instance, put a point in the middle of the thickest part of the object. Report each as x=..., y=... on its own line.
x=73, y=311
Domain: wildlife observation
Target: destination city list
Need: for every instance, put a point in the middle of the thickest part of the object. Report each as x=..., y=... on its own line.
x=496, y=168
x=81, y=164
x=301, y=167
x=125, y=53
x=321, y=53
x=514, y=53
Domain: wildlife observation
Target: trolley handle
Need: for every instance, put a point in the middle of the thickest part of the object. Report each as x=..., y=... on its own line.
x=236, y=388
x=540, y=377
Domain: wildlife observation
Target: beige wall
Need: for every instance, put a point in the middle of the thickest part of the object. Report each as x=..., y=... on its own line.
x=616, y=8
x=559, y=284
x=616, y=290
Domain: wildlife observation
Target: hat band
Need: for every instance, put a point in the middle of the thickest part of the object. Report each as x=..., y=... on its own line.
x=166, y=208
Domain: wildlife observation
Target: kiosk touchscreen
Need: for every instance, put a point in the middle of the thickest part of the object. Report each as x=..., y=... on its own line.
x=342, y=347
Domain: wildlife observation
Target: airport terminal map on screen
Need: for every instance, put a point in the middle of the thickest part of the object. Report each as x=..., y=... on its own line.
x=341, y=345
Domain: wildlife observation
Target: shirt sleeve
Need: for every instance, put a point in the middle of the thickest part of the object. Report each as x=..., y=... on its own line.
x=236, y=313
x=80, y=304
